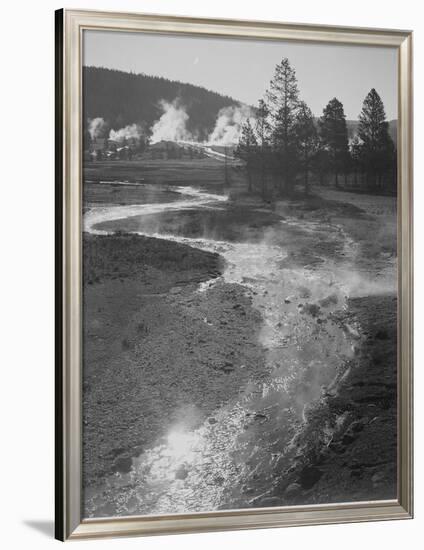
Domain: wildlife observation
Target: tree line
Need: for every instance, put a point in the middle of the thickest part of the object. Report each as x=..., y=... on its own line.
x=285, y=146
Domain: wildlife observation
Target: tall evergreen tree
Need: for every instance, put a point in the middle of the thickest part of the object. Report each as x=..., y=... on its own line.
x=356, y=156
x=307, y=140
x=262, y=131
x=321, y=162
x=247, y=149
x=333, y=132
x=377, y=145
x=283, y=103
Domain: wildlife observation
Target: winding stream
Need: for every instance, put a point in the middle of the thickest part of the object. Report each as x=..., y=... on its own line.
x=306, y=349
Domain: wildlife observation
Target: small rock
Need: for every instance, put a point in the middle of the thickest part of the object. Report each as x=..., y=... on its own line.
x=292, y=490
x=304, y=292
x=219, y=480
x=312, y=309
x=377, y=477
x=123, y=464
x=181, y=472
x=228, y=366
x=329, y=300
x=352, y=331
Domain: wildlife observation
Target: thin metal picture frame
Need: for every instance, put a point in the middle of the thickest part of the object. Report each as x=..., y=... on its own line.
x=70, y=525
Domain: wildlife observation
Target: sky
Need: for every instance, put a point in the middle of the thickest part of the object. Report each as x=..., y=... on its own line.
x=242, y=68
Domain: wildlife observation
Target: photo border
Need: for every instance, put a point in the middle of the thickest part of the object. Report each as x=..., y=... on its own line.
x=69, y=524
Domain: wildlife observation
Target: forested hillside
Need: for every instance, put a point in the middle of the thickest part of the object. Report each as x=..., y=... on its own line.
x=126, y=98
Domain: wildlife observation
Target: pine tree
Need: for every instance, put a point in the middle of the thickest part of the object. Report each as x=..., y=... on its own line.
x=262, y=131
x=247, y=149
x=356, y=156
x=283, y=103
x=307, y=140
x=377, y=145
x=321, y=162
x=333, y=132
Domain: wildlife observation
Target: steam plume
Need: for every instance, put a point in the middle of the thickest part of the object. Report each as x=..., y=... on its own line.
x=96, y=127
x=172, y=124
x=132, y=131
x=228, y=125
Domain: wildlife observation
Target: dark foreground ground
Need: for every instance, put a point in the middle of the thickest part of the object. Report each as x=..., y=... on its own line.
x=157, y=350
x=356, y=459
x=154, y=347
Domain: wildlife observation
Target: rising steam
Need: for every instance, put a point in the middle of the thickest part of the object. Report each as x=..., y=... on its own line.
x=172, y=124
x=228, y=125
x=133, y=131
x=96, y=127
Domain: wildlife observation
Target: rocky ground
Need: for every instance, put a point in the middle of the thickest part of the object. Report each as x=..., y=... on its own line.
x=153, y=345
x=347, y=447
x=158, y=351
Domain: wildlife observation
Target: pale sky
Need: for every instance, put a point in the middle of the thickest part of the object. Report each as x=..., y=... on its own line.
x=242, y=69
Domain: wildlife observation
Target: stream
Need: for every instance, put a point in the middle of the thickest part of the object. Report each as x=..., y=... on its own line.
x=229, y=460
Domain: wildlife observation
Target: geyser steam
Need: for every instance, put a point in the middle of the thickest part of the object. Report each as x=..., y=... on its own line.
x=132, y=131
x=172, y=124
x=228, y=125
x=96, y=127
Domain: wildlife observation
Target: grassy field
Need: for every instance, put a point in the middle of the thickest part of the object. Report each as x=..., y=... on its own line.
x=203, y=172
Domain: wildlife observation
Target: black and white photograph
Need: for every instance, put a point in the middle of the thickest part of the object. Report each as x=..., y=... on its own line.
x=240, y=273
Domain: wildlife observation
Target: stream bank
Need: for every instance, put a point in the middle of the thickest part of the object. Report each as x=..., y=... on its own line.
x=260, y=352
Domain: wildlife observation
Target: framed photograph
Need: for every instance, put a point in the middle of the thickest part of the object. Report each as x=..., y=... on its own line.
x=233, y=274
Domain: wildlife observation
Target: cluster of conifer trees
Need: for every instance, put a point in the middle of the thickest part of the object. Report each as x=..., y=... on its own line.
x=285, y=145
